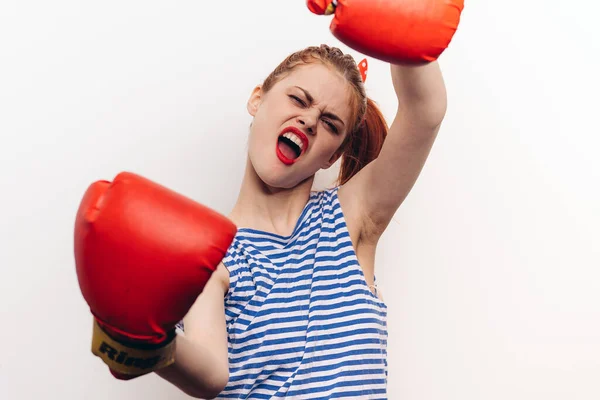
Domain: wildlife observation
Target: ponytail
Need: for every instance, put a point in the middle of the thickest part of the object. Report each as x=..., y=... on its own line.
x=364, y=144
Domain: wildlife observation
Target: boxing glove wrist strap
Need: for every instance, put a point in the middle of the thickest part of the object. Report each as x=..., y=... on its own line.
x=331, y=7
x=128, y=359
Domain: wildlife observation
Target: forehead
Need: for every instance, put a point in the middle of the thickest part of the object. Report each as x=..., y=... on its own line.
x=328, y=88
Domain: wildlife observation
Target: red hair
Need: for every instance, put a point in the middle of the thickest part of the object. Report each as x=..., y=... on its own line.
x=369, y=128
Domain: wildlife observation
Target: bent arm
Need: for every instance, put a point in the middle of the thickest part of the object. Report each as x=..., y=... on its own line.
x=201, y=366
x=381, y=187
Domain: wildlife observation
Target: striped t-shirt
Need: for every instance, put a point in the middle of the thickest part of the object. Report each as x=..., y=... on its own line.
x=301, y=321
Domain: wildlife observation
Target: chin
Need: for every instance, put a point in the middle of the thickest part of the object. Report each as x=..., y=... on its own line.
x=274, y=173
x=278, y=181
x=278, y=178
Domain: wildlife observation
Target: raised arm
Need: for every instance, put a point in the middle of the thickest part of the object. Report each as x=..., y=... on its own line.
x=381, y=187
x=410, y=35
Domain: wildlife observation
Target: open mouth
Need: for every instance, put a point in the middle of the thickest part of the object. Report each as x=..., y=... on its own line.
x=291, y=144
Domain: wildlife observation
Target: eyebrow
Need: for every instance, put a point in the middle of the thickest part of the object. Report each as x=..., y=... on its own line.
x=325, y=114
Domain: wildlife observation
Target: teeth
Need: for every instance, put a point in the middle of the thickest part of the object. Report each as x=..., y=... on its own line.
x=294, y=139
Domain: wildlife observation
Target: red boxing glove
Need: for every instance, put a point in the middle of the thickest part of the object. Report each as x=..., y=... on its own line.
x=395, y=31
x=143, y=254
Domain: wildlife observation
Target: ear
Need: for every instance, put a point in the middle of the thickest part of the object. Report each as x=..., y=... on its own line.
x=254, y=100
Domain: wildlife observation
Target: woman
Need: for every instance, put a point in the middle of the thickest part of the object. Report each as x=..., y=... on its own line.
x=301, y=316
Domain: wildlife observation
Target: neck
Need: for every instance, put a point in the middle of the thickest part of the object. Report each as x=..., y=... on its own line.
x=262, y=207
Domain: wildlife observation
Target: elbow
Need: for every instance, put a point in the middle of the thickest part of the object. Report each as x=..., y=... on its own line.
x=208, y=389
x=433, y=113
x=206, y=384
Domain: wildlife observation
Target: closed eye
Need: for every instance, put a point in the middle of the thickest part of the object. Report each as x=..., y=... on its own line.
x=331, y=126
x=298, y=100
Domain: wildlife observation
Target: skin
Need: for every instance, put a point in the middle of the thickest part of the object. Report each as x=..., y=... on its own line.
x=273, y=195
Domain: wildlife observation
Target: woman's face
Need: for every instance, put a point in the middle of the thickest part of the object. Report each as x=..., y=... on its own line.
x=299, y=125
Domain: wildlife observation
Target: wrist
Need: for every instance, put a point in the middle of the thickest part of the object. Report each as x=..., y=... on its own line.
x=419, y=86
x=129, y=358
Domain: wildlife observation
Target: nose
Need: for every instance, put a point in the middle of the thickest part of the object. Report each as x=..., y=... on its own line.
x=308, y=123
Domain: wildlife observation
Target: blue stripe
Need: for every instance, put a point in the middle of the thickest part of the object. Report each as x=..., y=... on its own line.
x=305, y=371
x=258, y=335
x=325, y=388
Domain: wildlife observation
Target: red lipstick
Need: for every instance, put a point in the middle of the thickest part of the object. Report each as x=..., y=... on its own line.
x=303, y=138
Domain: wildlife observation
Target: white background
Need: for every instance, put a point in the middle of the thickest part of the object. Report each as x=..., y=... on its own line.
x=491, y=268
